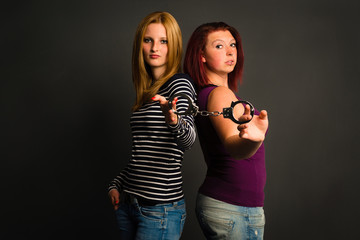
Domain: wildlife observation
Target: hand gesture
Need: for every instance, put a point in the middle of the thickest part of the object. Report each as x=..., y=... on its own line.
x=170, y=117
x=255, y=129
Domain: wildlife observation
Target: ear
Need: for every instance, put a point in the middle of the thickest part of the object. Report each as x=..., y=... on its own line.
x=203, y=57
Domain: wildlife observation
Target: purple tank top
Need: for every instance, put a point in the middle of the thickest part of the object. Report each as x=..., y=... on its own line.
x=238, y=182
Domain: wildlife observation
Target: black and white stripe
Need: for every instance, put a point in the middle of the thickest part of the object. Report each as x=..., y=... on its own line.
x=154, y=170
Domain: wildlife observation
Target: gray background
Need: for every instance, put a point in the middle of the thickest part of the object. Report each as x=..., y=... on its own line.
x=66, y=93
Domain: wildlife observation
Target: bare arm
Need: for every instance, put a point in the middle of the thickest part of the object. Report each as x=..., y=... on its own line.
x=241, y=141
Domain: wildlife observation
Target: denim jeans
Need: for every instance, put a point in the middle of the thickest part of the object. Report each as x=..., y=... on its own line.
x=161, y=221
x=220, y=220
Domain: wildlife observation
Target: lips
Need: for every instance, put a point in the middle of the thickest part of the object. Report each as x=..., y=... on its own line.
x=230, y=62
x=154, y=56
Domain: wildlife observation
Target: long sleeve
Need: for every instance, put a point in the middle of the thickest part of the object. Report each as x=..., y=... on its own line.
x=116, y=183
x=154, y=170
x=184, y=132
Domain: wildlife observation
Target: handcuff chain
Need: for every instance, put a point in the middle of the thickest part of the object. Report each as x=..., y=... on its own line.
x=227, y=112
x=206, y=113
x=195, y=111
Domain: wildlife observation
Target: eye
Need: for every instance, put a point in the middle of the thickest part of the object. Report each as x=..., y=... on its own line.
x=164, y=41
x=147, y=40
x=219, y=46
x=233, y=45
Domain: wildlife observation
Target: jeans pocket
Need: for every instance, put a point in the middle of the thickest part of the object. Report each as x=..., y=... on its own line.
x=215, y=225
x=152, y=213
x=257, y=220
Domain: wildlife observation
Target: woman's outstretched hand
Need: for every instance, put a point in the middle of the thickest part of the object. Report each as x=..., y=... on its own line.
x=170, y=117
x=255, y=129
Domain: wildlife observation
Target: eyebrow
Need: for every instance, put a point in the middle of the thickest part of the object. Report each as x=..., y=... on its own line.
x=220, y=40
x=146, y=36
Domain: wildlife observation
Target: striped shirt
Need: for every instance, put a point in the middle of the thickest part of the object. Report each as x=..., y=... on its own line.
x=154, y=170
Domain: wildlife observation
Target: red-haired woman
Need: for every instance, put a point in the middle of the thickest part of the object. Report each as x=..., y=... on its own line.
x=230, y=200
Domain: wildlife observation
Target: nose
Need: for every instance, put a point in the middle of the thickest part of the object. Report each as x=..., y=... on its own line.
x=154, y=46
x=230, y=50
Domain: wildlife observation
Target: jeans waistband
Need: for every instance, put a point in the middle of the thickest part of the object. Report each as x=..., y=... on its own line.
x=133, y=199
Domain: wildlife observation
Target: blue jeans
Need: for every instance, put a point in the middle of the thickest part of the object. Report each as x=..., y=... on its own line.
x=161, y=221
x=220, y=220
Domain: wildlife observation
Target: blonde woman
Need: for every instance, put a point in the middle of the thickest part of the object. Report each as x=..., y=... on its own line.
x=147, y=195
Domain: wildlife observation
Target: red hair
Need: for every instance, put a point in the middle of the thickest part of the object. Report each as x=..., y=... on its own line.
x=196, y=45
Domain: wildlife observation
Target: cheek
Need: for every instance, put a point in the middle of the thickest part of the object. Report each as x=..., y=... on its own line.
x=145, y=54
x=165, y=50
x=213, y=59
x=213, y=62
x=145, y=48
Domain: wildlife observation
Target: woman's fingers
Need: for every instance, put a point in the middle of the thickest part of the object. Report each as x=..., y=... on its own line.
x=246, y=115
x=115, y=198
x=263, y=115
x=170, y=116
x=243, y=126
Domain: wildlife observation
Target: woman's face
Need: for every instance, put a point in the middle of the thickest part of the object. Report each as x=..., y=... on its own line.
x=220, y=53
x=155, y=47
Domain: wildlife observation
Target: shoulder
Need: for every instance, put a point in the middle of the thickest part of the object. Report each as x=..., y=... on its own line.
x=205, y=91
x=222, y=93
x=181, y=77
x=221, y=97
x=180, y=82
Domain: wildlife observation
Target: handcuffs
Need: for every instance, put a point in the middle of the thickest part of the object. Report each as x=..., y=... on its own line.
x=227, y=112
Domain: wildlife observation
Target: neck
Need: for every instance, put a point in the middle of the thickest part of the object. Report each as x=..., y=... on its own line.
x=217, y=79
x=157, y=73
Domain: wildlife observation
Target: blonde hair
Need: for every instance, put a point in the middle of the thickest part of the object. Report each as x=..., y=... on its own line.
x=144, y=84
